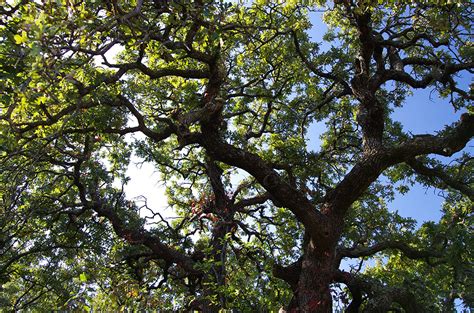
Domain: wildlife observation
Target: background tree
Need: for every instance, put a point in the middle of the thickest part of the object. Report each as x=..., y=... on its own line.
x=220, y=97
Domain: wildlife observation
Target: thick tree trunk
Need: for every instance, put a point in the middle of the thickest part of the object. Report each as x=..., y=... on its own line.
x=313, y=293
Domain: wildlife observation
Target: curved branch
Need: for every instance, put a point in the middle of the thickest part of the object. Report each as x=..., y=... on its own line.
x=371, y=166
x=435, y=75
x=412, y=41
x=311, y=66
x=259, y=199
x=438, y=173
x=156, y=136
x=281, y=191
x=290, y=273
x=134, y=236
x=141, y=236
x=266, y=117
x=448, y=142
x=163, y=72
x=382, y=296
x=408, y=251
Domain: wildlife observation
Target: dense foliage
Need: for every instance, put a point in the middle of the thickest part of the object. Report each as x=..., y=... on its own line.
x=219, y=97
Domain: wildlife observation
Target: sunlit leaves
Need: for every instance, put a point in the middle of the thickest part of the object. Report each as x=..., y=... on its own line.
x=19, y=39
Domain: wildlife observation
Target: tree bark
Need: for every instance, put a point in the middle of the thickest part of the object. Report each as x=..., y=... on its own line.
x=311, y=278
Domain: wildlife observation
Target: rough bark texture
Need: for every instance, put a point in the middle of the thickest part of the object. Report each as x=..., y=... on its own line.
x=313, y=292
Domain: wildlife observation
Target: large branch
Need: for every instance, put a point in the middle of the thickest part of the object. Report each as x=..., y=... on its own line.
x=371, y=166
x=133, y=235
x=157, y=136
x=162, y=72
x=413, y=40
x=408, y=251
x=282, y=193
x=382, y=296
x=448, y=142
x=258, y=199
x=439, y=174
x=214, y=173
x=290, y=273
x=136, y=236
x=441, y=75
x=119, y=101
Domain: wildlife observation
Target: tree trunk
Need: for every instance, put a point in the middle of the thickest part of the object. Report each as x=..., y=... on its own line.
x=313, y=293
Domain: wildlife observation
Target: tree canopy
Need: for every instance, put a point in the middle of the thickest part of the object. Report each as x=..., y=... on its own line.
x=220, y=97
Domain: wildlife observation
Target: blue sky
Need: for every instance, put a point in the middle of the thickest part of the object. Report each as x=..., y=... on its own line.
x=423, y=114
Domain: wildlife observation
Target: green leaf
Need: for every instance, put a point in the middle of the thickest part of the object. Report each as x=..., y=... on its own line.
x=19, y=39
x=83, y=277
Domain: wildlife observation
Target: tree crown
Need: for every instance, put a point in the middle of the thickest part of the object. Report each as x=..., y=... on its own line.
x=222, y=98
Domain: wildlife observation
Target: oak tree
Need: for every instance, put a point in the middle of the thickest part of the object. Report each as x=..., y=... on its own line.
x=221, y=98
